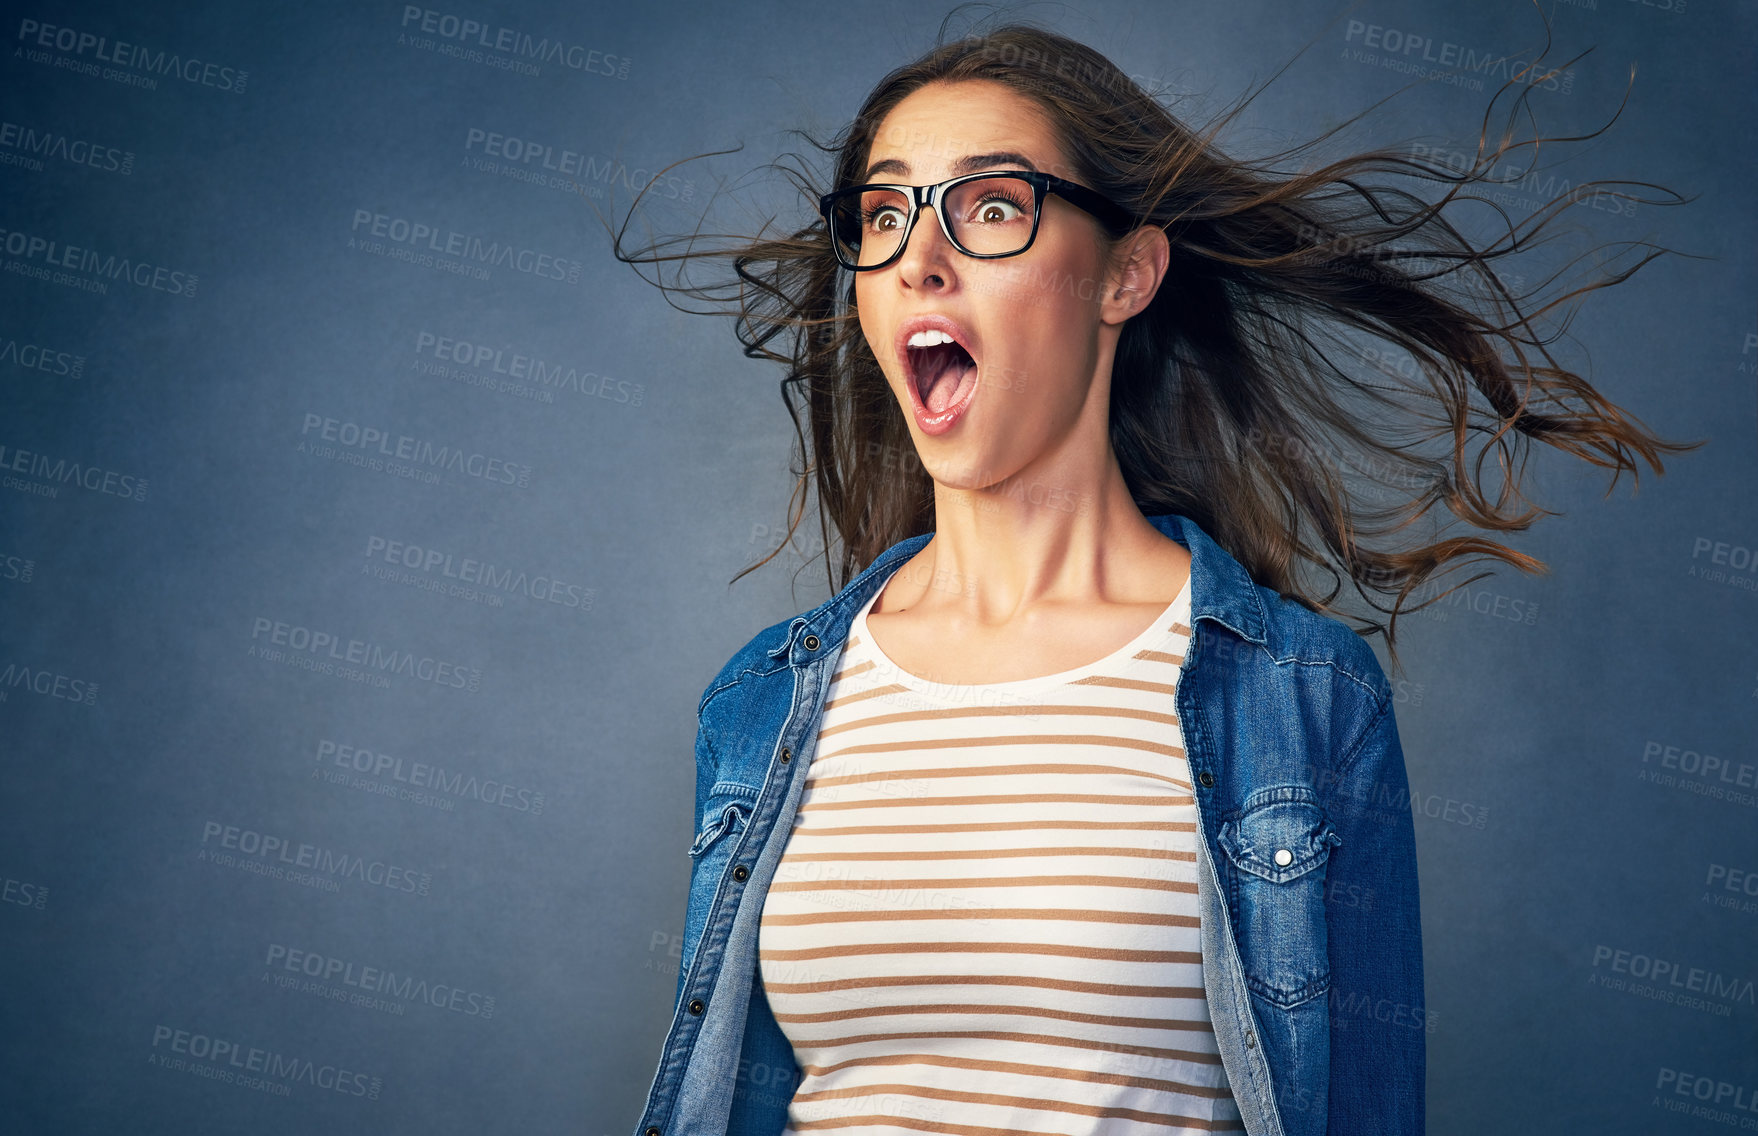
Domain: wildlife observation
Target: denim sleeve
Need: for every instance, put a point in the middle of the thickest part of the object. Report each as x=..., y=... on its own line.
x=707, y=772
x=1379, y=1022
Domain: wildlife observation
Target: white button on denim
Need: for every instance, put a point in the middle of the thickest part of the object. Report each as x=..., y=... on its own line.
x=1284, y=857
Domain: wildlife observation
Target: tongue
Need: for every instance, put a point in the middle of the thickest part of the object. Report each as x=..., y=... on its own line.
x=940, y=395
x=941, y=389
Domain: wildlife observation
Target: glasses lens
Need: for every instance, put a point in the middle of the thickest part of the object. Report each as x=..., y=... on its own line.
x=991, y=215
x=868, y=225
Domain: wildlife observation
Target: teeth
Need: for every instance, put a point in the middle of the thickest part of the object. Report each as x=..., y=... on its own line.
x=929, y=339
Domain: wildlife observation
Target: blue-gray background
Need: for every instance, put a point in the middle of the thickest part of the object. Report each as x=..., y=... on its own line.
x=477, y=832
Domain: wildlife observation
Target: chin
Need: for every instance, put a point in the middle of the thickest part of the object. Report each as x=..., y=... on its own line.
x=963, y=469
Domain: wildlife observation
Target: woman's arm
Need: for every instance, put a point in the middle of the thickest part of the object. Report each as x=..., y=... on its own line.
x=1379, y=1023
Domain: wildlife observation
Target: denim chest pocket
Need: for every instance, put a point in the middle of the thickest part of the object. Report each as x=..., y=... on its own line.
x=1276, y=850
x=720, y=820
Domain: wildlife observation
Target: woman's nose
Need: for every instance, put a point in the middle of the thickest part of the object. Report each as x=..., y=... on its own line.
x=927, y=255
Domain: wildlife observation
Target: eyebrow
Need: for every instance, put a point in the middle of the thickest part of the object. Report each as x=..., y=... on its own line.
x=969, y=164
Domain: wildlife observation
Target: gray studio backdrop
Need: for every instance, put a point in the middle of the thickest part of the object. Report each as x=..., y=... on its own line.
x=366, y=531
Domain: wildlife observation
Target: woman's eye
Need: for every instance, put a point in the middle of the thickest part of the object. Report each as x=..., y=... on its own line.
x=886, y=219
x=997, y=210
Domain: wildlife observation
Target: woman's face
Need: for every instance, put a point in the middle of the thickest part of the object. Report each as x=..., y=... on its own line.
x=1030, y=323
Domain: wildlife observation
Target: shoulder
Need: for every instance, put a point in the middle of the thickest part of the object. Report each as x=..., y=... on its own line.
x=1297, y=635
x=1328, y=678
x=766, y=653
x=746, y=707
x=756, y=657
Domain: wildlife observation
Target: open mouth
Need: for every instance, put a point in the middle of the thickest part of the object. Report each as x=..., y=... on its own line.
x=940, y=368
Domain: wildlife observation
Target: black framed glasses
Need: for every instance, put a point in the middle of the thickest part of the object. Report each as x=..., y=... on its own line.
x=986, y=215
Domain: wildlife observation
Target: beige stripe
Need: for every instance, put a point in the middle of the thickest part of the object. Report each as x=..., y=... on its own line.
x=1061, y=950
x=883, y=775
x=1127, y=684
x=912, y=1122
x=999, y=799
x=946, y=882
x=858, y=668
x=1193, y=1055
x=1179, y=628
x=1094, y=1076
x=1073, y=914
x=1160, y=657
x=1039, y=1103
x=1001, y=853
x=1022, y=739
x=999, y=826
x=1029, y=710
x=987, y=1008
x=1114, y=989
x=844, y=700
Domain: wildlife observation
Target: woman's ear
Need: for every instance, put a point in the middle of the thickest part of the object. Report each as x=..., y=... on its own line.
x=1138, y=265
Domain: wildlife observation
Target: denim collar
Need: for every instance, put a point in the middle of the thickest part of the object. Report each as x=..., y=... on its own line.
x=1220, y=590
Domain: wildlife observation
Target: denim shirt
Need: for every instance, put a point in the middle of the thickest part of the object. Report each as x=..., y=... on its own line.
x=1306, y=863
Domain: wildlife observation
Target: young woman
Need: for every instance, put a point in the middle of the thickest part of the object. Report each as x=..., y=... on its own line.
x=1073, y=811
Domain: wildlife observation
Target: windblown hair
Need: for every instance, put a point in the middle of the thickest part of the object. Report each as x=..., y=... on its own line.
x=1307, y=316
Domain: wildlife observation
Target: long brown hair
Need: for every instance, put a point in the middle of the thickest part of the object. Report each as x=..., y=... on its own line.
x=1228, y=403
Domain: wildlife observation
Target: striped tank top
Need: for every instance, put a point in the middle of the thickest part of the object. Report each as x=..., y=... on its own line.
x=985, y=917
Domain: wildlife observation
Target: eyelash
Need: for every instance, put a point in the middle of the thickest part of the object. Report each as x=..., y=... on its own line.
x=1001, y=195
x=992, y=195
